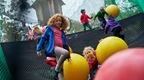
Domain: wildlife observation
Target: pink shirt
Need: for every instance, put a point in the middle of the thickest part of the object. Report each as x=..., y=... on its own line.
x=58, y=37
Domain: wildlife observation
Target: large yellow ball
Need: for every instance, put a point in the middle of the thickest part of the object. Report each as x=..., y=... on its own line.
x=112, y=10
x=109, y=46
x=76, y=69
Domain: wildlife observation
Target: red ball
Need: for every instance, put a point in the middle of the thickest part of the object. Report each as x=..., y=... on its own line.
x=125, y=65
x=51, y=61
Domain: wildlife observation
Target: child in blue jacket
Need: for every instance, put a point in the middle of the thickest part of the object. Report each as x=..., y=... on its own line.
x=55, y=42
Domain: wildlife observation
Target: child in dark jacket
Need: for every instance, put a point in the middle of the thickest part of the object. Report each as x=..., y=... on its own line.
x=101, y=17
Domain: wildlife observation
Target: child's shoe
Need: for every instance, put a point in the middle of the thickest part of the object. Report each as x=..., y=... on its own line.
x=56, y=75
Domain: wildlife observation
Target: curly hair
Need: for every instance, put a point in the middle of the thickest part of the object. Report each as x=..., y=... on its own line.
x=65, y=22
x=88, y=48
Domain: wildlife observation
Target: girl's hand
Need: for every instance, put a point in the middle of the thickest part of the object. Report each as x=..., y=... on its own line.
x=39, y=53
x=69, y=57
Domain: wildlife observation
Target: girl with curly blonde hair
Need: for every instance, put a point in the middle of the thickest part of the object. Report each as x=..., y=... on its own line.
x=55, y=40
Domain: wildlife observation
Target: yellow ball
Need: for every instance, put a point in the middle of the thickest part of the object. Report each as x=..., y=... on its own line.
x=112, y=10
x=76, y=69
x=109, y=46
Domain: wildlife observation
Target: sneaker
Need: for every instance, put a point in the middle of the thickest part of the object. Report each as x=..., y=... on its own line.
x=56, y=75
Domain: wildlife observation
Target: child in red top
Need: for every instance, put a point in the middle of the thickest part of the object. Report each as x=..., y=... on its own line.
x=84, y=18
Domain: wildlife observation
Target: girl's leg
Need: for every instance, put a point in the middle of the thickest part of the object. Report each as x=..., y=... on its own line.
x=61, y=56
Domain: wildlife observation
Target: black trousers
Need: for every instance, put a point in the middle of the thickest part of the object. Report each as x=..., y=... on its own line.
x=87, y=25
x=117, y=32
x=102, y=22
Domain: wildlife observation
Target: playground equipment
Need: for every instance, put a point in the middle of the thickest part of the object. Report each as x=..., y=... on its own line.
x=108, y=46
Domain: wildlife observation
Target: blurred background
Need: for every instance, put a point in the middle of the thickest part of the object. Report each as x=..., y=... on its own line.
x=17, y=16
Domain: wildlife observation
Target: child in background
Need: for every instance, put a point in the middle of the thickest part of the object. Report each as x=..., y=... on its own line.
x=101, y=17
x=56, y=42
x=37, y=33
x=114, y=26
x=84, y=18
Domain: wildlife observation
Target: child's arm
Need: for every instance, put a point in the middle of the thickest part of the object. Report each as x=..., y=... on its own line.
x=42, y=41
x=96, y=16
x=89, y=17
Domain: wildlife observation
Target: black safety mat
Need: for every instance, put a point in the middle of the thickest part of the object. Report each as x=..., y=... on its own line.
x=25, y=65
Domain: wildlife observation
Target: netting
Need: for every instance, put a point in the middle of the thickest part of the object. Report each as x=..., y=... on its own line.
x=139, y=3
x=4, y=71
x=127, y=7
